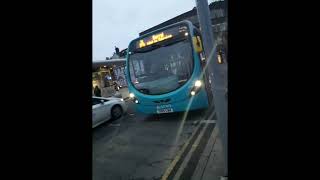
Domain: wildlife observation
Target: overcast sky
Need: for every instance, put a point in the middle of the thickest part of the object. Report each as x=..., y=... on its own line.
x=117, y=22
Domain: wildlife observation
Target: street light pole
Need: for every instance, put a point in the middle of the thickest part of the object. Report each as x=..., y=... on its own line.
x=216, y=73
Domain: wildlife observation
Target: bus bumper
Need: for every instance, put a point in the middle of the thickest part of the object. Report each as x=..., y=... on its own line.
x=198, y=101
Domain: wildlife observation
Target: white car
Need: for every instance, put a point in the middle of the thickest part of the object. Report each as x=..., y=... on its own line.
x=104, y=109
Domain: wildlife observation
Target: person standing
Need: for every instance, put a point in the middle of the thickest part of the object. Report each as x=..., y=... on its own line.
x=116, y=86
x=97, y=91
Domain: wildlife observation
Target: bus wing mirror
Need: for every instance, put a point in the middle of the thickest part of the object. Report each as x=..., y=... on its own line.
x=197, y=44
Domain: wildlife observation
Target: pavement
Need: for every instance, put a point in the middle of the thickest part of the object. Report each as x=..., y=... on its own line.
x=169, y=146
x=211, y=163
x=203, y=160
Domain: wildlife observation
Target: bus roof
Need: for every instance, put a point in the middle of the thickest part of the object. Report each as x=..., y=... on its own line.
x=117, y=62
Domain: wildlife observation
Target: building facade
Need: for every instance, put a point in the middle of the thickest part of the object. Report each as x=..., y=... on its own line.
x=218, y=12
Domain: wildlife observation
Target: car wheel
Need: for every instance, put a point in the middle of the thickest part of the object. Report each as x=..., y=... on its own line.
x=116, y=112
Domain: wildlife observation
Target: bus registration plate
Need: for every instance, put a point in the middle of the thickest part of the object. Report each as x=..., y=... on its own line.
x=166, y=108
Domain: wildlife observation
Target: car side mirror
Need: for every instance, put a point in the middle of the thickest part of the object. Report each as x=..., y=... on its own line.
x=102, y=101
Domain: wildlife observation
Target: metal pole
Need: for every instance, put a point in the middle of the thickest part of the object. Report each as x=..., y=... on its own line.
x=217, y=76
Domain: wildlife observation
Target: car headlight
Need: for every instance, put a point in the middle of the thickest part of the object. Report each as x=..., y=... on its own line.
x=193, y=93
x=131, y=95
x=121, y=99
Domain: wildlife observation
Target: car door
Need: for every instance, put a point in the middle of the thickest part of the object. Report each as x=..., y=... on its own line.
x=97, y=111
x=106, y=109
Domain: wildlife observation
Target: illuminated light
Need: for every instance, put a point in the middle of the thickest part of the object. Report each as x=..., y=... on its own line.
x=154, y=39
x=197, y=83
x=193, y=93
x=121, y=99
x=219, y=59
x=104, y=66
x=142, y=44
x=131, y=95
x=186, y=34
x=136, y=101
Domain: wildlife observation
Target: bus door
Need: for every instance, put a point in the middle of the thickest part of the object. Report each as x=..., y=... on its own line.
x=197, y=40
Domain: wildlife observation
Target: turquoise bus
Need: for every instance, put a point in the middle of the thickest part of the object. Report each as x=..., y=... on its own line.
x=164, y=70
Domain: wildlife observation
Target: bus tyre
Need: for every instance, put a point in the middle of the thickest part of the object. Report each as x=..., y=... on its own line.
x=116, y=112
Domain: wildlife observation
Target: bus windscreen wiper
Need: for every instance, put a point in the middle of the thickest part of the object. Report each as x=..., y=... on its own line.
x=144, y=91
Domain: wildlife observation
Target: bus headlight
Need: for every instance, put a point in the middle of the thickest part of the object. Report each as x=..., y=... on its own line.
x=196, y=88
x=136, y=101
x=131, y=95
x=197, y=83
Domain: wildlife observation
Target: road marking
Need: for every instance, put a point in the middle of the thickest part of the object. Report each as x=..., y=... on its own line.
x=178, y=156
x=212, y=114
x=212, y=140
x=112, y=125
x=197, y=150
x=208, y=121
x=195, y=122
x=203, y=122
x=187, y=158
